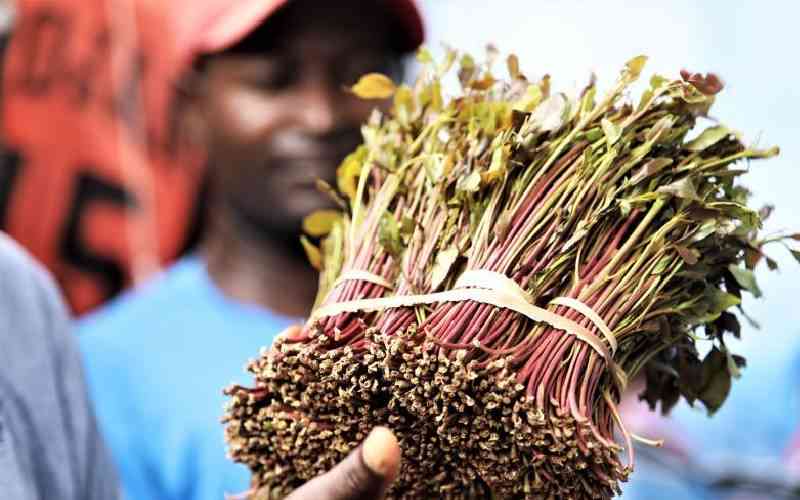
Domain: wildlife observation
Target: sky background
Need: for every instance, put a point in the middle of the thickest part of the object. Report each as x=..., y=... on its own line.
x=751, y=46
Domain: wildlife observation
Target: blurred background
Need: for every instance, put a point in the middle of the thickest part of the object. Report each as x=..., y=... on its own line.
x=95, y=181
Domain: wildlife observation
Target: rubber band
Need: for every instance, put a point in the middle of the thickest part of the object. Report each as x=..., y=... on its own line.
x=486, y=287
x=591, y=315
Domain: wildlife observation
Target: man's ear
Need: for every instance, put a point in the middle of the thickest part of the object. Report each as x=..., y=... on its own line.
x=190, y=93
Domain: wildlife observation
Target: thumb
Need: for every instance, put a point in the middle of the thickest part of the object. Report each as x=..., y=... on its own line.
x=365, y=474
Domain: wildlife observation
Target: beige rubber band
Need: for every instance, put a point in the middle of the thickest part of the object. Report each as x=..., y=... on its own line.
x=357, y=274
x=591, y=315
x=481, y=278
x=492, y=296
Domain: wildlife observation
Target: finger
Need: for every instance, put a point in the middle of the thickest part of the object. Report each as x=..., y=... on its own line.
x=286, y=337
x=290, y=333
x=365, y=474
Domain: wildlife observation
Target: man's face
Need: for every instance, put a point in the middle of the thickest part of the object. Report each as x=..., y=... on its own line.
x=278, y=120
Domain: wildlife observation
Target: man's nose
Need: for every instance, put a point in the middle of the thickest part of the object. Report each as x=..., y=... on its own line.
x=320, y=107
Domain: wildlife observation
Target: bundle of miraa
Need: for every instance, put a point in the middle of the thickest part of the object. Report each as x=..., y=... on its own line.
x=503, y=263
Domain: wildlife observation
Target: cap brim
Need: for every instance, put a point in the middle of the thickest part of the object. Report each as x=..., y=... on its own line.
x=239, y=18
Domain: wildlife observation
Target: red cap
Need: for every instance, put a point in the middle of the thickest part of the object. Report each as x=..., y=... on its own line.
x=228, y=22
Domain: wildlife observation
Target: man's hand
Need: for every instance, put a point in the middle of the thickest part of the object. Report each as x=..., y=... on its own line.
x=365, y=474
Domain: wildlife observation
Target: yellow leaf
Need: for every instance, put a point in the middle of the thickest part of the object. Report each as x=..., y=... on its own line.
x=312, y=252
x=403, y=104
x=498, y=165
x=533, y=96
x=424, y=55
x=374, y=86
x=320, y=222
x=635, y=66
x=348, y=172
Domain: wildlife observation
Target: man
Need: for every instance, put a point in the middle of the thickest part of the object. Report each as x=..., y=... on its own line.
x=49, y=444
x=270, y=103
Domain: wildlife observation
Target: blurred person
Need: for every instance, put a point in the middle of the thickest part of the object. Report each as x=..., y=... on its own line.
x=87, y=108
x=49, y=443
x=267, y=97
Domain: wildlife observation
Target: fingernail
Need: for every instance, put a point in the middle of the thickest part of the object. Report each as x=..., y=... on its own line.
x=379, y=452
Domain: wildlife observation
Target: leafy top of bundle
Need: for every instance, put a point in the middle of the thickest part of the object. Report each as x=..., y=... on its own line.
x=479, y=153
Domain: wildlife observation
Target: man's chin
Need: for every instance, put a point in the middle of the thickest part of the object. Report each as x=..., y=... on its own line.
x=300, y=206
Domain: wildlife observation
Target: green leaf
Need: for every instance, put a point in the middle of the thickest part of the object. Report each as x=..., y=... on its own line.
x=469, y=183
x=533, y=96
x=389, y=235
x=407, y=226
x=441, y=267
x=661, y=265
x=795, y=254
x=611, y=130
x=658, y=81
x=683, y=188
x=715, y=303
x=716, y=380
x=424, y=55
x=449, y=58
x=746, y=279
x=708, y=138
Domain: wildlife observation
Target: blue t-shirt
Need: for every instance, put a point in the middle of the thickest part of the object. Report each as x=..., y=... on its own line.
x=157, y=360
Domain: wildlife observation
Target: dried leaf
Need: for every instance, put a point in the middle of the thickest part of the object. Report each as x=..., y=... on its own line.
x=374, y=86
x=441, y=267
x=708, y=85
x=502, y=226
x=550, y=114
x=320, y=222
x=651, y=167
x=513, y=66
x=690, y=256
